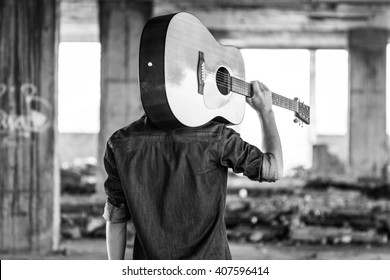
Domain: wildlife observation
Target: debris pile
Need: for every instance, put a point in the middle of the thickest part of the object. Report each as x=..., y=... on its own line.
x=321, y=214
x=79, y=176
x=81, y=217
x=315, y=211
x=82, y=220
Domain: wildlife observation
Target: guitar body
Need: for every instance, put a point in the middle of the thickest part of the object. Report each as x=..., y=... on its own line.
x=174, y=90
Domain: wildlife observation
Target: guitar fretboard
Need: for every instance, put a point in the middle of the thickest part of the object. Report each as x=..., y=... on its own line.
x=244, y=88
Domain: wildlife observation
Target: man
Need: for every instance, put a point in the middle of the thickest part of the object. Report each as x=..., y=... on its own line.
x=172, y=184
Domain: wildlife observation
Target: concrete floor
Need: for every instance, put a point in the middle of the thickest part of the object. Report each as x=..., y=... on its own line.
x=94, y=249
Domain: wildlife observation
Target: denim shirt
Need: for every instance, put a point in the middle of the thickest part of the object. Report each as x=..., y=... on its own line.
x=172, y=185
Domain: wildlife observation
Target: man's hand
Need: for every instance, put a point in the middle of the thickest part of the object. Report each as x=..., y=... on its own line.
x=262, y=98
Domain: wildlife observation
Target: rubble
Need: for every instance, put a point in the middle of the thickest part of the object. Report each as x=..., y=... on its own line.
x=94, y=224
x=69, y=229
x=78, y=176
x=326, y=213
x=333, y=235
x=319, y=211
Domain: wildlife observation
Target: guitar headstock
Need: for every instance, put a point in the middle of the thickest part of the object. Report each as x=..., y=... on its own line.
x=303, y=112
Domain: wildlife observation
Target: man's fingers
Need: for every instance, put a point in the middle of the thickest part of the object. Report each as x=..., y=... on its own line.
x=255, y=85
x=261, y=100
x=264, y=87
x=260, y=87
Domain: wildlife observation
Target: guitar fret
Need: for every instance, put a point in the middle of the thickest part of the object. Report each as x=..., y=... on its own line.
x=240, y=87
x=284, y=102
x=244, y=88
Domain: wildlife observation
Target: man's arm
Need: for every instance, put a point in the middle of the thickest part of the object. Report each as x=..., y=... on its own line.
x=116, y=240
x=116, y=212
x=261, y=102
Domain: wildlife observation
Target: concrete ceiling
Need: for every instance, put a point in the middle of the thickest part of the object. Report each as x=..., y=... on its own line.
x=251, y=23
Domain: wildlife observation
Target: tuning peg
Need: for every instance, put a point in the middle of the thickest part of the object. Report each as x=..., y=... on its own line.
x=296, y=99
x=296, y=120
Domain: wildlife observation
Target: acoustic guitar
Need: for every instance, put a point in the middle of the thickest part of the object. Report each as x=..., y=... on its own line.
x=187, y=78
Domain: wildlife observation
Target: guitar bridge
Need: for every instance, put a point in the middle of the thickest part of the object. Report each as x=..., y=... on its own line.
x=201, y=73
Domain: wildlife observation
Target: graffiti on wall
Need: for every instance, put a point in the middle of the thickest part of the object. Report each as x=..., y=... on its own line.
x=36, y=112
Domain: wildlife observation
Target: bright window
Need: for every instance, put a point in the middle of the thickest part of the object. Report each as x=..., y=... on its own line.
x=79, y=87
x=388, y=89
x=331, y=92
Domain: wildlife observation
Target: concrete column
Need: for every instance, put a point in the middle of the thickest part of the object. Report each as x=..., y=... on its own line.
x=368, y=151
x=313, y=105
x=121, y=23
x=29, y=176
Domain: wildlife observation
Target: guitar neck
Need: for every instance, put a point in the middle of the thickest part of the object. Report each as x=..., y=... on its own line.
x=244, y=88
x=284, y=102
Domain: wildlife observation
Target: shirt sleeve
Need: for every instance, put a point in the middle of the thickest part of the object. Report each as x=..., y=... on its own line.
x=115, y=210
x=245, y=158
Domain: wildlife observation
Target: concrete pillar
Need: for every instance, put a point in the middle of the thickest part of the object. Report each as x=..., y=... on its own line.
x=368, y=151
x=121, y=23
x=313, y=105
x=29, y=177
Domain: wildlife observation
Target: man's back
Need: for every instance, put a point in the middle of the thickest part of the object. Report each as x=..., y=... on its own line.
x=175, y=190
x=172, y=184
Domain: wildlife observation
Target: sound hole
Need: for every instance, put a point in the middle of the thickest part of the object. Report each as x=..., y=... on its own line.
x=223, y=81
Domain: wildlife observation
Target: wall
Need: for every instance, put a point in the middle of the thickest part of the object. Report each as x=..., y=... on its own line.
x=77, y=145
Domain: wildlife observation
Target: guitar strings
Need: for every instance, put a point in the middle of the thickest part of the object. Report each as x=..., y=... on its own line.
x=239, y=83
x=277, y=98
x=222, y=79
